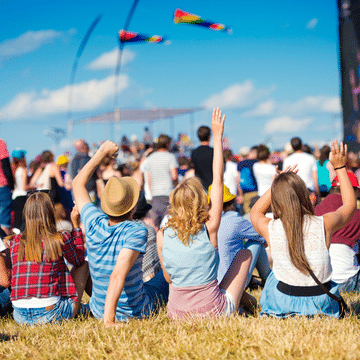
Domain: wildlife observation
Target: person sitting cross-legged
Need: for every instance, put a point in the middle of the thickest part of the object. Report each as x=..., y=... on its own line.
x=344, y=263
x=235, y=233
x=115, y=247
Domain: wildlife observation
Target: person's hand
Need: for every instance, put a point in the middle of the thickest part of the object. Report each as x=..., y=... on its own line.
x=109, y=324
x=239, y=199
x=217, y=123
x=338, y=155
x=75, y=217
x=110, y=149
x=289, y=168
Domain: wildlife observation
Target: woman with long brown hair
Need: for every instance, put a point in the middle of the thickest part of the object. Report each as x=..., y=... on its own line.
x=42, y=289
x=299, y=243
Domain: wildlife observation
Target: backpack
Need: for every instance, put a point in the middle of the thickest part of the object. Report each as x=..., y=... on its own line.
x=247, y=182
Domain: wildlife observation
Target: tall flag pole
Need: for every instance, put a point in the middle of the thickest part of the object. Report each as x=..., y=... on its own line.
x=349, y=34
x=118, y=63
x=77, y=57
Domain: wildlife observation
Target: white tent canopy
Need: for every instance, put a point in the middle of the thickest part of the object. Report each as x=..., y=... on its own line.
x=137, y=115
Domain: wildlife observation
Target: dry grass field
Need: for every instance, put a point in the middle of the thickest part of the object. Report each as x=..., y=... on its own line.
x=159, y=338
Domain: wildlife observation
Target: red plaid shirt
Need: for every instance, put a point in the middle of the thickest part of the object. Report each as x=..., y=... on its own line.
x=47, y=278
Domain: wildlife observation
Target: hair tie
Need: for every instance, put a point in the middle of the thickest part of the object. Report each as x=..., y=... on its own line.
x=340, y=167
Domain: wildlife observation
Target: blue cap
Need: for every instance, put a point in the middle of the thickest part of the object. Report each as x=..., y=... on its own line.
x=19, y=154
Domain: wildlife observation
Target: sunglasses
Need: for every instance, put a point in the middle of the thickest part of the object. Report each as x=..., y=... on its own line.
x=29, y=193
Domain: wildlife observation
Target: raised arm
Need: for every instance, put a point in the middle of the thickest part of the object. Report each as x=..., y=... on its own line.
x=108, y=148
x=217, y=188
x=334, y=221
x=258, y=218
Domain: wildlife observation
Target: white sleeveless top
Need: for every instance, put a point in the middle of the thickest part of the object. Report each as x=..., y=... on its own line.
x=316, y=253
x=19, y=190
x=43, y=182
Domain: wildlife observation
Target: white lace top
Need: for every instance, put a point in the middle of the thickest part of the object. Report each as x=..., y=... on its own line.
x=316, y=253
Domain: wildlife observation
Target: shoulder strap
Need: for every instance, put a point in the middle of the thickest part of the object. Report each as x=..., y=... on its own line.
x=334, y=297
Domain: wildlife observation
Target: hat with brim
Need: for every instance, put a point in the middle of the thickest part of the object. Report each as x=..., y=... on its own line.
x=120, y=196
x=227, y=195
x=142, y=207
x=62, y=160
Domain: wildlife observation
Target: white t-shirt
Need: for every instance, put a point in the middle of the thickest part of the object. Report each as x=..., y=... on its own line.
x=343, y=262
x=264, y=174
x=230, y=175
x=306, y=165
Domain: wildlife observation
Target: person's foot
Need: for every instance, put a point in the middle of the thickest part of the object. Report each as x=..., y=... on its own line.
x=249, y=304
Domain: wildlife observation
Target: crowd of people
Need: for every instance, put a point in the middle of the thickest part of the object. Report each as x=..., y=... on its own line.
x=144, y=224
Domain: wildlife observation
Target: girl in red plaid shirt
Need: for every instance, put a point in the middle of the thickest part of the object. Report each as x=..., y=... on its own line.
x=42, y=288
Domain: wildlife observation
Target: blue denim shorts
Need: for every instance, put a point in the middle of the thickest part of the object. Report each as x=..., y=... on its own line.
x=158, y=289
x=6, y=206
x=63, y=309
x=5, y=303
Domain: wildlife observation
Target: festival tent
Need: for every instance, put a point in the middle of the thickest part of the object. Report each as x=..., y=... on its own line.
x=138, y=115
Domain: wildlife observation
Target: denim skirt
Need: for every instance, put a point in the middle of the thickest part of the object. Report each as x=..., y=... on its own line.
x=278, y=304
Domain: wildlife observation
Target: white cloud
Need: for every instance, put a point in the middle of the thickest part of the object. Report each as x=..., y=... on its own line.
x=262, y=109
x=88, y=95
x=30, y=41
x=237, y=96
x=108, y=60
x=312, y=104
x=332, y=105
x=312, y=24
x=301, y=107
x=286, y=124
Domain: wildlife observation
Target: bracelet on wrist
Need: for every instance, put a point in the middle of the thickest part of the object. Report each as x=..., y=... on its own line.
x=340, y=167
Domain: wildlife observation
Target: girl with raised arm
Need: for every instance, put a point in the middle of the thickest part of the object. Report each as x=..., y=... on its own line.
x=187, y=246
x=299, y=243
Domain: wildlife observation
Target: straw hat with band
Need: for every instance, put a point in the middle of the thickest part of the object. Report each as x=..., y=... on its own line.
x=120, y=196
x=228, y=196
x=353, y=179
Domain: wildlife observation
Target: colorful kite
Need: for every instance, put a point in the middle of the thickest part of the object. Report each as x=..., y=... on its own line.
x=183, y=17
x=132, y=37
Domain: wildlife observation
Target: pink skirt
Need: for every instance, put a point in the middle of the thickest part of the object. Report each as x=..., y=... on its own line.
x=196, y=301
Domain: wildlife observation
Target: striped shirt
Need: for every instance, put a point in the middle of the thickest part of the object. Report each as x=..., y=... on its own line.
x=104, y=243
x=151, y=262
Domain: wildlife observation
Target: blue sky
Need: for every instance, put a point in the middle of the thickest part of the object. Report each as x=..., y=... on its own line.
x=276, y=77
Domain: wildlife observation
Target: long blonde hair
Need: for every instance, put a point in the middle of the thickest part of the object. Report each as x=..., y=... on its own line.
x=290, y=202
x=40, y=235
x=189, y=209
